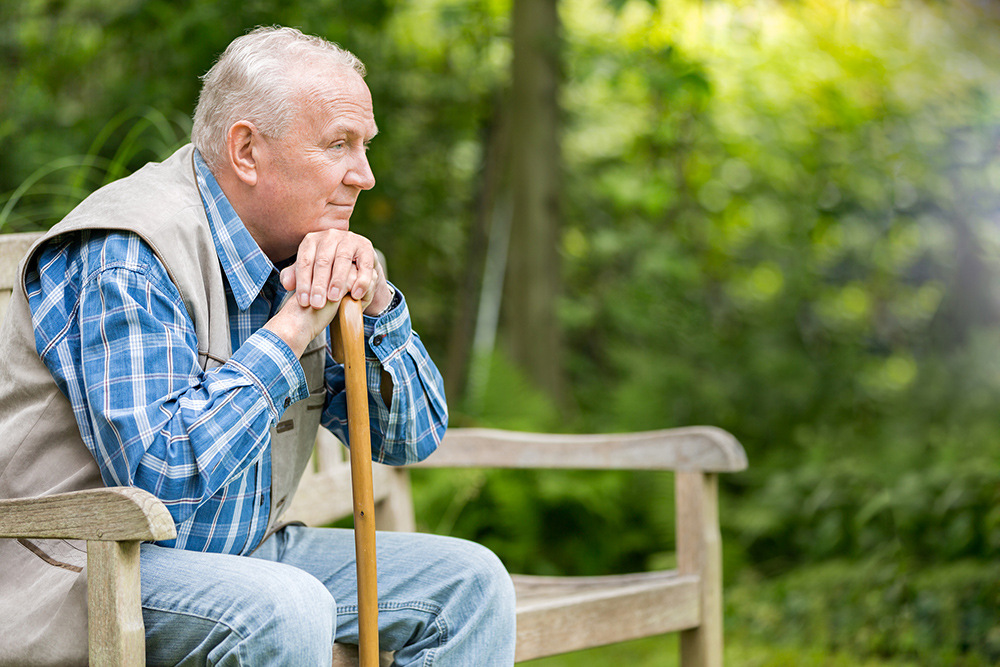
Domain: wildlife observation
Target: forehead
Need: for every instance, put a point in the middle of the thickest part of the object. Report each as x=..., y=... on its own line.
x=335, y=100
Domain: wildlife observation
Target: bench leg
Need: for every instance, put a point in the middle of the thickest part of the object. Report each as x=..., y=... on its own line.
x=114, y=608
x=699, y=551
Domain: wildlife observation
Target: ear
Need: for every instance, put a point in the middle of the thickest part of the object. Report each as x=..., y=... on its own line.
x=241, y=148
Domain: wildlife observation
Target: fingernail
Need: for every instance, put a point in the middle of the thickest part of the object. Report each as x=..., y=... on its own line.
x=318, y=301
x=334, y=293
x=303, y=299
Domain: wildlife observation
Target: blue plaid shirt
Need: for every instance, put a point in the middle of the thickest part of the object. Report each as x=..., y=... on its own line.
x=111, y=327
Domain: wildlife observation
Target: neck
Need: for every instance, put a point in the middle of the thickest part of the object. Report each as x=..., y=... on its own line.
x=240, y=196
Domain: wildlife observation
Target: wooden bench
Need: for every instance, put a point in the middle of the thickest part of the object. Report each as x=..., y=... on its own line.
x=554, y=614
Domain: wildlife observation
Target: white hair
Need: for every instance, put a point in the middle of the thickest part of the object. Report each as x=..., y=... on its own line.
x=254, y=80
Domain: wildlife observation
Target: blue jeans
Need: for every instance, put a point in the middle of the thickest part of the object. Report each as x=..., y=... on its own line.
x=442, y=601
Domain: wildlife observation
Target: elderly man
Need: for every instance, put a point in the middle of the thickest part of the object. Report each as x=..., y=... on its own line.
x=153, y=346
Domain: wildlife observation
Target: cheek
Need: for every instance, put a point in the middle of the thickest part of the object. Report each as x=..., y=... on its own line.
x=332, y=176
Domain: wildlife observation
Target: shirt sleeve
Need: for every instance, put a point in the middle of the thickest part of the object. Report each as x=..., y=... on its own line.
x=156, y=419
x=412, y=429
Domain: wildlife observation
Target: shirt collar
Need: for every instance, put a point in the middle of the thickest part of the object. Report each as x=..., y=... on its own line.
x=246, y=267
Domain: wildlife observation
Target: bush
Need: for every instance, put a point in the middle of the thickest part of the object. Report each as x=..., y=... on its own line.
x=876, y=607
x=850, y=509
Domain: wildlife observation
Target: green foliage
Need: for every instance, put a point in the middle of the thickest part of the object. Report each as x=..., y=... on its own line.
x=52, y=190
x=849, y=510
x=554, y=522
x=746, y=652
x=510, y=401
x=758, y=222
x=780, y=230
x=945, y=615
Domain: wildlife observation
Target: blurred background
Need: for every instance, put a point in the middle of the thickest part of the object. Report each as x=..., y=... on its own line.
x=780, y=218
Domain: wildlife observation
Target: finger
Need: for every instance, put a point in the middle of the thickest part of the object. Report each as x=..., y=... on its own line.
x=364, y=282
x=353, y=254
x=287, y=278
x=369, y=294
x=352, y=277
x=328, y=255
x=343, y=264
x=303, y=269
x=361, y=282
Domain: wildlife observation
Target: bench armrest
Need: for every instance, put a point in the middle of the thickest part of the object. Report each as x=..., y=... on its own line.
x=110, y=514
x=696, y=448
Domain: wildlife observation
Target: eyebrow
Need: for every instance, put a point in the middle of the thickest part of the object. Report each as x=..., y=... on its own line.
x=344, y=129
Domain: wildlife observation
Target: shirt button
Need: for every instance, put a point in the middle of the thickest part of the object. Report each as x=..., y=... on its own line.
x=377, y=340
x=288, y=401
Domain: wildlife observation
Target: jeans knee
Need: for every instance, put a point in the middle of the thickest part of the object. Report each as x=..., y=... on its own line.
x=496, y=581
x=294, y=612
x=479, y=616
x=486, y=580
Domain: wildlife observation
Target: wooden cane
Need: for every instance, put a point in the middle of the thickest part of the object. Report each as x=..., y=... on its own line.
x=347, y=337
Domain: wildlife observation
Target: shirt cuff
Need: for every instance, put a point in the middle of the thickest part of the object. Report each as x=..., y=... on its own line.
x=273, y=368
x=388, y=332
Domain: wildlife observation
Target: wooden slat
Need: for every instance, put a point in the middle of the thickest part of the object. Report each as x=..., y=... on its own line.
x=699, y=552
x=693, y=448
x=330, y=452
x=325, y=497
x=557, y=615
x=346, y=655
x=395, y=510
x=116, y=513
x=113, y=593
x=560, y=614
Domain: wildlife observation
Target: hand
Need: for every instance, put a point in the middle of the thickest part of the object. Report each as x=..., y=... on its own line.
x=297, y=325
x=332, y=263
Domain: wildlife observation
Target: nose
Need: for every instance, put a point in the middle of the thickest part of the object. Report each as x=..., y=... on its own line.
x=360, y=174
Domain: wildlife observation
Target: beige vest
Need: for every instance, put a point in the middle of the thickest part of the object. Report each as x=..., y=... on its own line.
x=43, y=582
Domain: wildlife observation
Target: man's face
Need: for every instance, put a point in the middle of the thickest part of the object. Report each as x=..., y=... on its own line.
x=310, y=179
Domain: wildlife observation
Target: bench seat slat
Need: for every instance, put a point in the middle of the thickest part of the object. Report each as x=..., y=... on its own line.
x=559, y=614
x=556, y=615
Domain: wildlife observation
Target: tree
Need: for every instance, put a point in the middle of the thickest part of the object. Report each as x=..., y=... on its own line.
x=532, y=281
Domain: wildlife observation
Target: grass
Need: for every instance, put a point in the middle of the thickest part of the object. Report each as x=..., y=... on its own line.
x=663, y=652
x=55, y=187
